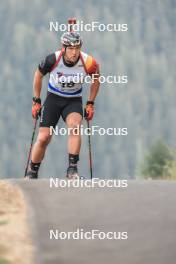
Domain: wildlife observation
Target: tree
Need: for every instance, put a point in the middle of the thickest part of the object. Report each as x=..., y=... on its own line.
x=158, y=162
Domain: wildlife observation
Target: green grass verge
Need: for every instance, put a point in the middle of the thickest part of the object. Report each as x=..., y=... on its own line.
x=3, y=222
x=2, y=261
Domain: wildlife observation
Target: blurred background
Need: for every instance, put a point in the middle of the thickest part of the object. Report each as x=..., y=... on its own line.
x=145, y=105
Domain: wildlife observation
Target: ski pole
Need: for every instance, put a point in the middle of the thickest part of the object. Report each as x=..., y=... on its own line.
x=90, y=152
x=32, y=139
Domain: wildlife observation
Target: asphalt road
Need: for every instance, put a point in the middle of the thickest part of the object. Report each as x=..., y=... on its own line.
x=145, y=210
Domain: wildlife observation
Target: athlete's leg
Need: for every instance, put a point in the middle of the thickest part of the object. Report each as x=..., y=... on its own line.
x=50, y=114
x=40, y=145
x=73, y=122
x=72, y=115
x=38, y=151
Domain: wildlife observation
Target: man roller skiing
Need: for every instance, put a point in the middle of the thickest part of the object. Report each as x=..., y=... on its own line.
x=64, y=98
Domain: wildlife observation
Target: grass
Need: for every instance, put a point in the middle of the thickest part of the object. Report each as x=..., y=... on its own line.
x=3, y=261
x=3, y=222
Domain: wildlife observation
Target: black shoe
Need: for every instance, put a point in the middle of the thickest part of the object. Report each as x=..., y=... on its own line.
x=31, y=174
x=72, y=172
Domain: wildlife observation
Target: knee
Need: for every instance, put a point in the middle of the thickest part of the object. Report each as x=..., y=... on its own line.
x=74, y=121
x=74, y=124
x=74, y=127
x=43, y=140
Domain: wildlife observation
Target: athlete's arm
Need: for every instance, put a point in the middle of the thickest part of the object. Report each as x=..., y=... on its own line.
x=44, y=67
x=37, y=85
x=95, y=74
x=94, y=88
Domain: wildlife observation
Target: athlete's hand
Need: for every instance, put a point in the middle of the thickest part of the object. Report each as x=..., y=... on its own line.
x=89, y=110
x=36, y=107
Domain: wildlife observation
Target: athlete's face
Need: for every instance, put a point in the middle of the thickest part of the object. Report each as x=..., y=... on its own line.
x=72, y=53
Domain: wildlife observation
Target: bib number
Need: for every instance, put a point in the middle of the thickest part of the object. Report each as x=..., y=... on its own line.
x=69, y=85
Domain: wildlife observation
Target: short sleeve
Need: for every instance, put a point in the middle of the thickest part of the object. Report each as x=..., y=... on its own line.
x=46, y=65
x=92, y=66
